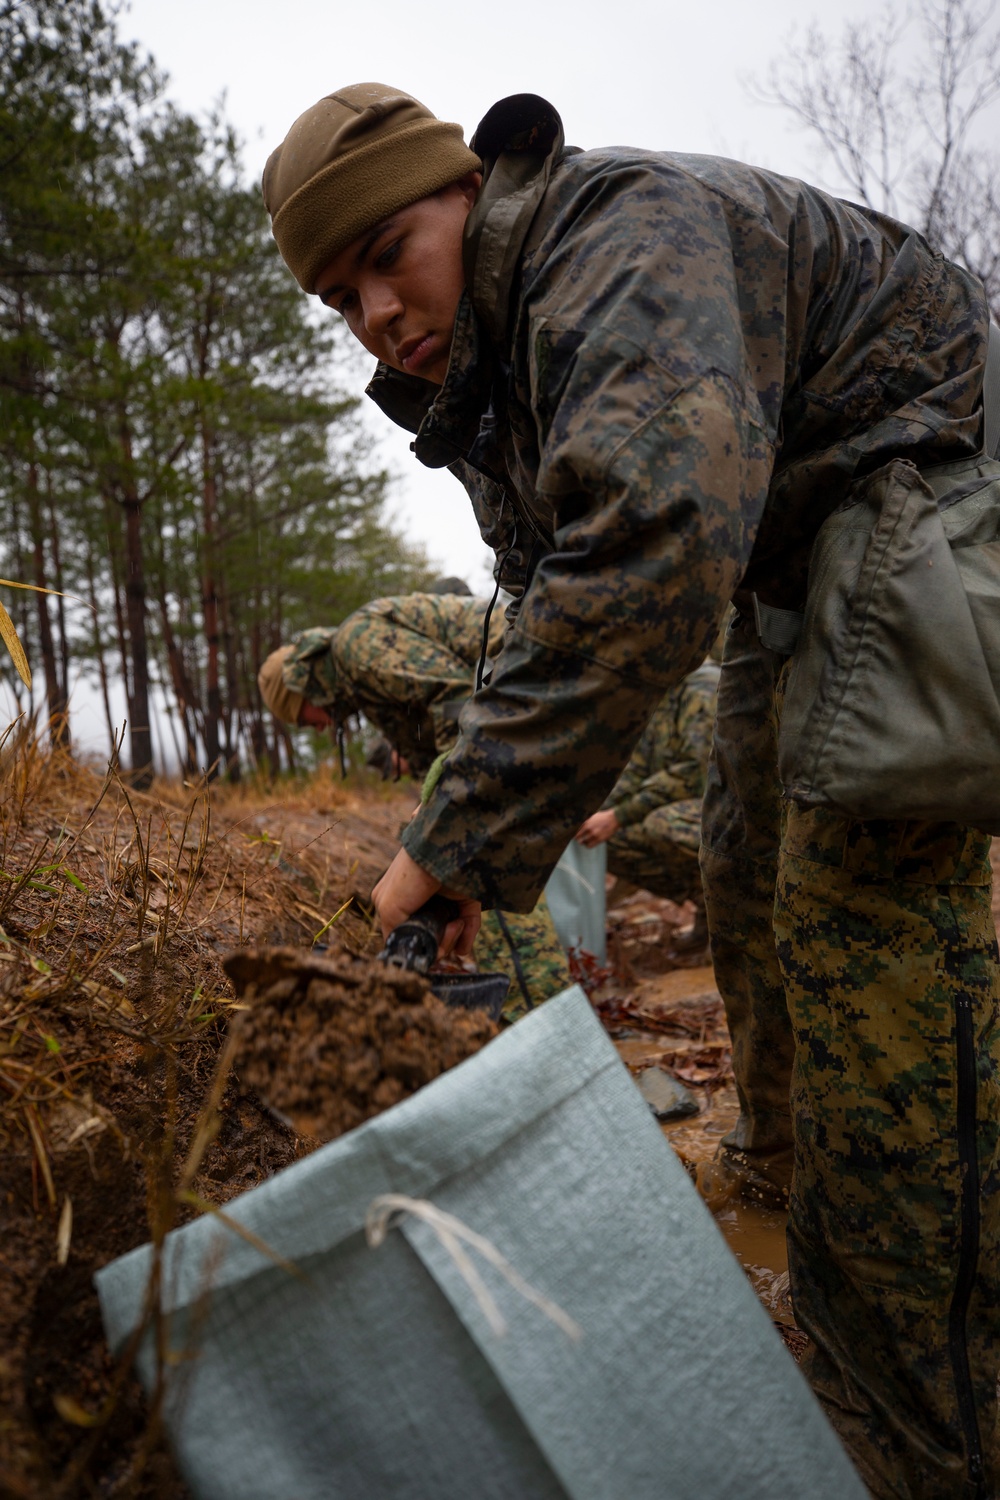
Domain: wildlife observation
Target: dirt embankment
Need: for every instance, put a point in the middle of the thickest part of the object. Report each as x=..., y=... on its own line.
x=119, y=1113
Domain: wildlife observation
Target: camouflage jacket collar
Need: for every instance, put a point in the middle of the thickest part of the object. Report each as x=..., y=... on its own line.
x=519, y=140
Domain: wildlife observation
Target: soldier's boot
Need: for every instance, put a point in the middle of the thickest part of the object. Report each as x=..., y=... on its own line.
x=887, y=946
x=692, y=939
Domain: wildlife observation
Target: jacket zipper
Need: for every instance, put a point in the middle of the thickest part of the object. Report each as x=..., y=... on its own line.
x=968, y=1159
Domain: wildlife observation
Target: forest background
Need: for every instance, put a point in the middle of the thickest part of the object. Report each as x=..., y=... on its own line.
x=180, y=453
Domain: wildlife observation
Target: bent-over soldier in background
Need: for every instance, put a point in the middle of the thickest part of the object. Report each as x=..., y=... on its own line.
x=408, y=664
x=651, y=822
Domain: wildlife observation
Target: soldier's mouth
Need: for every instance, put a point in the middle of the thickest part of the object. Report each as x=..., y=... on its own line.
x=416, y=352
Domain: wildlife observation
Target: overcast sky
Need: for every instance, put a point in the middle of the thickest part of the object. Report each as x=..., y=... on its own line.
x=663, y=76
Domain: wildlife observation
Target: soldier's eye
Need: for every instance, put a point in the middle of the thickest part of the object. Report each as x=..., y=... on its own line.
x=386, y=257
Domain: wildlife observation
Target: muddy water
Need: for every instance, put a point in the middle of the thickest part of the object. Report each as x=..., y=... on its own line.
x=755, y=1235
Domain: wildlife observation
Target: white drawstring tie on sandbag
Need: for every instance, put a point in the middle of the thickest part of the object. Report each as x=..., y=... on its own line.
x=385, y=1212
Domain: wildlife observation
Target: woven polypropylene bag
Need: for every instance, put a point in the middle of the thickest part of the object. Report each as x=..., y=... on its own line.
x=373, y=1374
x=575, y=896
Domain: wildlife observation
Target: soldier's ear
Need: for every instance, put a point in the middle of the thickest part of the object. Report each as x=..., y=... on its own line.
x=468, y=186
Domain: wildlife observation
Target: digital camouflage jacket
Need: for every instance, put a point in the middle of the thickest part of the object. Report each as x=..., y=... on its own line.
x=666, y=371
x=670, y=762
x=407, y=663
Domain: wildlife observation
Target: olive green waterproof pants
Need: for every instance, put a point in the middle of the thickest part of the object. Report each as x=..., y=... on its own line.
x=858, y=963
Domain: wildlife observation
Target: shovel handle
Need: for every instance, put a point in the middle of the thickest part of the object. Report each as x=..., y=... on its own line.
x=414, y=943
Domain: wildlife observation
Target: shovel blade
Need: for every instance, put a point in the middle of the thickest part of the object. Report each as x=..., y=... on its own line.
x=472, y=991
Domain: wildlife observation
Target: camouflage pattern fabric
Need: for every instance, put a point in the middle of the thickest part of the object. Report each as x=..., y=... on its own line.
x=308, y=669
x=407, y=663
x=543, y=964
x=657, y=798
x=888, y=953
x=661, y=853
x=742, y=816
x=859, y=965
x=665, y=374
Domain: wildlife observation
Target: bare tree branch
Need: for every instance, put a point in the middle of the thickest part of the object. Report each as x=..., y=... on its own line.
x=899, y=107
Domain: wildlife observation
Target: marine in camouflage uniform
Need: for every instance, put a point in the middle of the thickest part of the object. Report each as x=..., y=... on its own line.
x=408, y=664
x=657, y=798
x=666, y=371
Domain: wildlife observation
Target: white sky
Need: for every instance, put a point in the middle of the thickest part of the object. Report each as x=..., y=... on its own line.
x=658, y=75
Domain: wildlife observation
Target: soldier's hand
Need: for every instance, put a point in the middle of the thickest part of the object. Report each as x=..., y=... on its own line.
x=598, y=828
x=405, y=887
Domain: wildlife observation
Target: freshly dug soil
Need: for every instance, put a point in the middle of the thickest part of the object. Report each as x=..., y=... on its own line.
x=330, y=1043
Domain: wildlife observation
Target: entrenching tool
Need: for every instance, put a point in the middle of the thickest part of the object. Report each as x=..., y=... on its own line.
x=414, y=945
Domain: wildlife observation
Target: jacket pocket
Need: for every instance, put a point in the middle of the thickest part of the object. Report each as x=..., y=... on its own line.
x=892, y=708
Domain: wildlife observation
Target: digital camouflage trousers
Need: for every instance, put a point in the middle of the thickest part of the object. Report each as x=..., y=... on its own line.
x=526, y=949
x=661, y=853
x=859, y=967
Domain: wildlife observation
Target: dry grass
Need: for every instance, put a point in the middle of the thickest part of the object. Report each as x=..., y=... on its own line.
x=118, y=1112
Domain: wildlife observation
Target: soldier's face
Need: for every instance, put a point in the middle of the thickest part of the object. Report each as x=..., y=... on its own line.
x=398, y=286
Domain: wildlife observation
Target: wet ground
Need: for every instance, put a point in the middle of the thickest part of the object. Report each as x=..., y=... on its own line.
x=755, y=1235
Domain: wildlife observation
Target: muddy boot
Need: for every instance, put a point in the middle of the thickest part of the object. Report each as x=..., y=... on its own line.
x=731, y=1177
x=692, y=939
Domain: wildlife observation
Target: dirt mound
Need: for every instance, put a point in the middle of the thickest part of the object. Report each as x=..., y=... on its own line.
x=330, y=1043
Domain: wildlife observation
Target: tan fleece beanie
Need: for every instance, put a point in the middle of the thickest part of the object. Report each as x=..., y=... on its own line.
x=280, y=699
x=350, y=161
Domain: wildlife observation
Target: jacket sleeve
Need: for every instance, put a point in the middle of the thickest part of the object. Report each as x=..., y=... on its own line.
x=654, y=468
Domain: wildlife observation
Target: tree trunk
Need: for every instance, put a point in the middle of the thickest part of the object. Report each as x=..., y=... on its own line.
x=54, y=694
x=22, y=613
x=185, y=692
x=60, y=602
x=121, y=630
x=232, y=715
x=140, y=737
x=140, y=740
x=210, y=607
x=183, y=756
x=99, y=654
